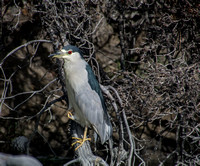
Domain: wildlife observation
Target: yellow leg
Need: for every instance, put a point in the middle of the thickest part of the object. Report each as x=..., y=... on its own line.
x=70, y=116
x=81, y=141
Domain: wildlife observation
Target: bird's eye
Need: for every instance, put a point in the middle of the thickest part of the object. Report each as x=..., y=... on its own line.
x=69, y=52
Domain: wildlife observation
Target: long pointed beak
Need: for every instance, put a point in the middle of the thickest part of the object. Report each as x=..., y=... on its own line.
x=56, y=55
x=51, y=55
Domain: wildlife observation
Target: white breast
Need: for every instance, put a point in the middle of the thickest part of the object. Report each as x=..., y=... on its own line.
x=76, y=79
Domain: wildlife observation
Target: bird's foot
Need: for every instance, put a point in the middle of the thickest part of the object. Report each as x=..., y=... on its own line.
x=81, y=141
x=70, y=116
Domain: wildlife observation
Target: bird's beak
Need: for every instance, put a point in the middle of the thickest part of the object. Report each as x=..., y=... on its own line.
x=56, y=55
x=52, y=55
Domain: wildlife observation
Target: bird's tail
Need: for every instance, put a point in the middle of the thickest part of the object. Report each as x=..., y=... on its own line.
x=106, y=132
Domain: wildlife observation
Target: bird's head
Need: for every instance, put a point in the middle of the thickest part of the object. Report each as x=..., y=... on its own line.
x=68, y=52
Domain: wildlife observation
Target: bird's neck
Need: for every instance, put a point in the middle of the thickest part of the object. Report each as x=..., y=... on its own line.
x=75, y=74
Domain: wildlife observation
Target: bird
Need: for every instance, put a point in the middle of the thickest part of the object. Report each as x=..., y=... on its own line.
x=84, y=94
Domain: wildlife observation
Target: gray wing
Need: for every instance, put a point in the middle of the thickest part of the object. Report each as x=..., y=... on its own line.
x=90, y=105
x=95, y=86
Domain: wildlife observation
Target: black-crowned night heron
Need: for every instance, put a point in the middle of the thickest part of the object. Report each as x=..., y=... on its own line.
x=84, y=93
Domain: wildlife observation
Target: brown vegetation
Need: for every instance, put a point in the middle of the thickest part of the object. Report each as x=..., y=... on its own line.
x=146, y=53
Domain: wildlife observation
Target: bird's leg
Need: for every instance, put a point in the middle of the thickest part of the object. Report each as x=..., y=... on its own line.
x=81, y=141
x=70, y=116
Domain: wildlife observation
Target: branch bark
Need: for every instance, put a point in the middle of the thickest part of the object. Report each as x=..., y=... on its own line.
x=85, y=155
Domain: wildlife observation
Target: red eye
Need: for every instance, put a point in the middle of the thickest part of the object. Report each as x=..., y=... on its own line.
x=69, y=52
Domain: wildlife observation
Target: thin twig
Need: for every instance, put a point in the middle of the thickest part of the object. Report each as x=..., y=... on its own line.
x=24, y=45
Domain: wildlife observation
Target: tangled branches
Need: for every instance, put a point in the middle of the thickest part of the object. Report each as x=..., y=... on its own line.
x=150, y=52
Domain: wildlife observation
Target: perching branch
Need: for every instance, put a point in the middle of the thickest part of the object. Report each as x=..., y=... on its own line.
x=85, y=155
